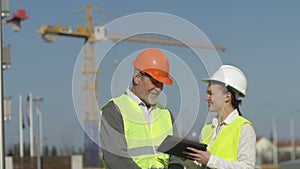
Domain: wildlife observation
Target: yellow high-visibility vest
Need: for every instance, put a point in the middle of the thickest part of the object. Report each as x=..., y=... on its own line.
x=142, y=141
x=226, y=144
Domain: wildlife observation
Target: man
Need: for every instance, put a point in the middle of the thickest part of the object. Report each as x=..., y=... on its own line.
x=134, y=124
x=230, y=137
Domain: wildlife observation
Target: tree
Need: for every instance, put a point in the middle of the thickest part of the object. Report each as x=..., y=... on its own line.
x=46, y=151
x=53, y=151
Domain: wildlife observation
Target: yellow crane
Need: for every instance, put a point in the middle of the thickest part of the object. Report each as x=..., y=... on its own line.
x=91, y=34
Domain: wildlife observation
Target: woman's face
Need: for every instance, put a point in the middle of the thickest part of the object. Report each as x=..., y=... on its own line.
x=215, y=98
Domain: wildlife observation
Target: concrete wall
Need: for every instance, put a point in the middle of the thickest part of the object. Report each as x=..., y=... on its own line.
x=9, y=163
x=76, y=162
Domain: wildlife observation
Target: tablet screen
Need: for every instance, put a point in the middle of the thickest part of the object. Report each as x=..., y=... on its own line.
x=176, y=146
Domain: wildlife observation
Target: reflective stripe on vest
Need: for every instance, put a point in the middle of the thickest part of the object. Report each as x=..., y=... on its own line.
x=138, y=151
x=141, y=140
x=226, y=144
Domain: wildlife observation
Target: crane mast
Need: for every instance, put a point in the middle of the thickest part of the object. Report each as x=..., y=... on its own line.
x=90, y=72
x=90, y=81
x=90, y=92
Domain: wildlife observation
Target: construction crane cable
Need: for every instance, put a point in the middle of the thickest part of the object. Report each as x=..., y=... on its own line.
x=67, y=19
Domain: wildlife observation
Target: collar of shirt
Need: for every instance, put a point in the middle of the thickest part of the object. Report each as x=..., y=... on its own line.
x=137, y=99
x=142, y=105
x=228, y=119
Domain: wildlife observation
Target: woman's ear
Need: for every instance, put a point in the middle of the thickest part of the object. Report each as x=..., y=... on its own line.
x=228, y=97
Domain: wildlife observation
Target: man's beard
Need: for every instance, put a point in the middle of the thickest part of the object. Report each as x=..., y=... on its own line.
x=153, y=96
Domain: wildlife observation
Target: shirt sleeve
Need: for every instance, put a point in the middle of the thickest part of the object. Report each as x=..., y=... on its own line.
x=246, y=152
x=113, y=141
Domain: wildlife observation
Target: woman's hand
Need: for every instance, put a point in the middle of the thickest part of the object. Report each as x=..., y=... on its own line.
x=198, y=155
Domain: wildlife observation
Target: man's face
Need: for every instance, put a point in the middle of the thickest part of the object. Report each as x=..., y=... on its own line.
x=148, y=89
x=215, y=98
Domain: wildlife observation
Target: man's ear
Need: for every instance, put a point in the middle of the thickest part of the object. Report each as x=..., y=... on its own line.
x=136, y=77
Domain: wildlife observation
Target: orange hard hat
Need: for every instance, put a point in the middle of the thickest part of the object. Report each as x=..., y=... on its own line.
x=155, y=63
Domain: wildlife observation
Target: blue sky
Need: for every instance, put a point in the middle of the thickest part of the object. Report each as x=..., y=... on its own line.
x=261, y=38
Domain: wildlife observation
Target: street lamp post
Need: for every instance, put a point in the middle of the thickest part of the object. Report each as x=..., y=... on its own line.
x=274, y=128
x=37, y=101
x=2, y=136
x=292, y=133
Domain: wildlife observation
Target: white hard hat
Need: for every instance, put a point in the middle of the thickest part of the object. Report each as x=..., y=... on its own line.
x=230, y=76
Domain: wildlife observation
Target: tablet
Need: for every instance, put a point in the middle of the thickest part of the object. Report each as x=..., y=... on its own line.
x=176, y=146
